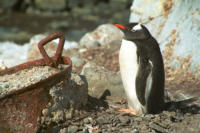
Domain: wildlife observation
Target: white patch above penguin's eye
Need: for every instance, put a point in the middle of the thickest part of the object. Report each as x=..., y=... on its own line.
x=136, y=28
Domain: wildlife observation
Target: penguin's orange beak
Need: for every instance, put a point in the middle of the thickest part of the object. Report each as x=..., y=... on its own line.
x=120, y=26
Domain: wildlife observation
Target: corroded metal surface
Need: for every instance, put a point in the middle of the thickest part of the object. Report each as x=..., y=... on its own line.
x=20, y=109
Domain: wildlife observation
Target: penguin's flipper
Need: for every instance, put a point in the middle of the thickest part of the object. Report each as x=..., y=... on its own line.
x=142, y=79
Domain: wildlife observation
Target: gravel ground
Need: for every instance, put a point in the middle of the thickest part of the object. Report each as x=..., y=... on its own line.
x=100, y=116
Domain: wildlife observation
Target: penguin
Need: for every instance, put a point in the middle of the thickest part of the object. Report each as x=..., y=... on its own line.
x=142, y=69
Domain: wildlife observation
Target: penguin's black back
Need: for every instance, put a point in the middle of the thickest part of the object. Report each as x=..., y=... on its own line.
x=149, y=51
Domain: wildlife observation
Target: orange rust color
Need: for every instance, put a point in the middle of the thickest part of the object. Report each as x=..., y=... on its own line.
x=167, y=6
x=19, y=113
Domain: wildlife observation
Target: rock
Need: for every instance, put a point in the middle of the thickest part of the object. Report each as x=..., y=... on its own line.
x=86, y=121
x=45, y=112
x=124, y=119
x=72, y=93
x=138, y=119
x=102, y=120
x=5, y=4
x=175, y=25
x=134, y=131
x=72, y=129
x=157, y=127
x=54, y=5
x=69, y=115
x=58, y=116
x=102, y=36
x=77, y=61
x=149, y=117
x=100, y=81
x=64, y=130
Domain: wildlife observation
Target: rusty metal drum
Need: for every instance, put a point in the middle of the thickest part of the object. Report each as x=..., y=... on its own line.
x=20, y=107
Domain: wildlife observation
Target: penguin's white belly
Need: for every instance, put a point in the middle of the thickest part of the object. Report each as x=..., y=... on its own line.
x=128, y=69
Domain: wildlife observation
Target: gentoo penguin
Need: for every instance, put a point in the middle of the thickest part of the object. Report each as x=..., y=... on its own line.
x=142, y=69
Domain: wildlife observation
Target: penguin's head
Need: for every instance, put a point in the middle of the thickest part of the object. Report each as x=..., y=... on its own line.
x=134, y=31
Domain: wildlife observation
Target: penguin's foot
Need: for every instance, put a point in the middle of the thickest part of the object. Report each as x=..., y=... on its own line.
x=129, y=111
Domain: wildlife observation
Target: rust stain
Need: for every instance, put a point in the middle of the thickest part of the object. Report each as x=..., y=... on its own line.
x=161, y=28
x=136, y=12
x=19, y=113
x=181, y=75
x=167, y=6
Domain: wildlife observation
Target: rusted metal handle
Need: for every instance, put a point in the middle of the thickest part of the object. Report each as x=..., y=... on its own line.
x=59, y=50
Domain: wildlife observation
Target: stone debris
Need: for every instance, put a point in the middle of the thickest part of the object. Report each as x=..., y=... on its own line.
x=102, y=36
x=102, y=82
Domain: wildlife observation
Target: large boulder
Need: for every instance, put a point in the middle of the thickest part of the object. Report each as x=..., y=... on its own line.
x=176, y=26
x=102, y=82
x=103, y=35
x=70, y=93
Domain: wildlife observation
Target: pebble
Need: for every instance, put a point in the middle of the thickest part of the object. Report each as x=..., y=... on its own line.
x=45, y=112
x=138, y=119
x=64, y=130
x=58, y=116
x=86, y=130
x=5, y=85
x=68, y=115
x=77, y=61
x=86, y=121
x=157, y=127
x=124, y=119
x=101, y=121
x=72, y=129
x=134, y=131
